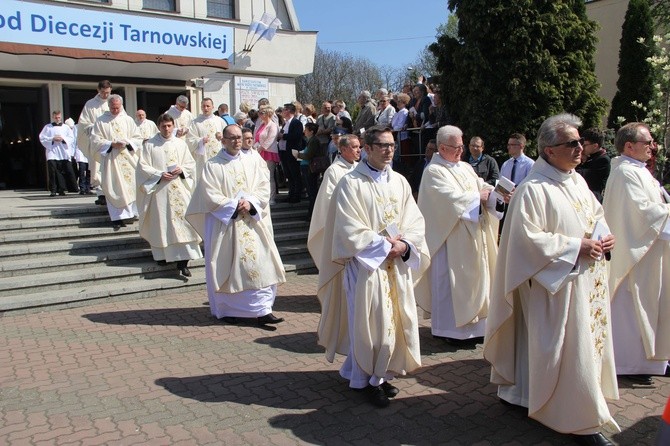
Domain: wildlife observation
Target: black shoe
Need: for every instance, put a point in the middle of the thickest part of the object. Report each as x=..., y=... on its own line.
x=229, y=320
x=644, y=380
x=512, y=405
x=389, y=389
x=118, y=224
x=81, y=192
x=377, y=396
x=101, y=201
x=52, y=194
x=161, y=262
x=62, y=193
x=592, y=440
x=269, y=319
x=185, y=272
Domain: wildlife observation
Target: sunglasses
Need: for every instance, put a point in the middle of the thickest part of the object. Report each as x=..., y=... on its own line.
x=573, y=144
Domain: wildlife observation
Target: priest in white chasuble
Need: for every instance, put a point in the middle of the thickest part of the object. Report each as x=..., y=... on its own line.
x=230, y=211
x=116, y=138
x=182, y=116
x=637, y=210
x=93, y=109
x=461, y=234
x=349, y=147
x=376, y=238
x=548, y=334
x=165, y=183
x=204, y=135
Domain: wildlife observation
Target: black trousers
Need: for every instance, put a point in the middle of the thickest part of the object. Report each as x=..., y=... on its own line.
x=56, y=178
x=291, y=168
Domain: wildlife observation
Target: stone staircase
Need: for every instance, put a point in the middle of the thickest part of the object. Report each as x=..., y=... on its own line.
x=71, y=254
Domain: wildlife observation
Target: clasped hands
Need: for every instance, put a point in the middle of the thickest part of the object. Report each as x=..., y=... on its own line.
x=398, y=247
x=243, y=207
x=594, y=249
x=173, y=175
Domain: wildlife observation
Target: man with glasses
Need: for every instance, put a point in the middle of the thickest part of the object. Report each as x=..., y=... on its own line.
x=516, y=168
x=181, y=115
x=377, y=247
x=595, y=167
x=230, y=210
x=548, y=334
x=637, y=209
x=462, y=241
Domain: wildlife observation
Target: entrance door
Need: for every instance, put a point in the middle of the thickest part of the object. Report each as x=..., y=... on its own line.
x=22, y=116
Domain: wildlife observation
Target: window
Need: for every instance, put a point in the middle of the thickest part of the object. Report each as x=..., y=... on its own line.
x=222, y=9
x=160, y=5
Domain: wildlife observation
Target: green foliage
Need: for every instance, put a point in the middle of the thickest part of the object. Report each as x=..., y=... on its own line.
x=661, y=14
x=635, y=72
x=516, y=63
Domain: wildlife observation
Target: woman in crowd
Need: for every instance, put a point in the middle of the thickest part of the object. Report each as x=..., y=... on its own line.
x=265, y=141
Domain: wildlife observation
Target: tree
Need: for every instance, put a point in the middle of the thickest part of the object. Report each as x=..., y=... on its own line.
x=515, y=64
x=337, y=76
x=635, y=72
x=661, y=12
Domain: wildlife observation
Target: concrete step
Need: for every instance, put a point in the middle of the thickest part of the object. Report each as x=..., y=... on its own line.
x=125, y=238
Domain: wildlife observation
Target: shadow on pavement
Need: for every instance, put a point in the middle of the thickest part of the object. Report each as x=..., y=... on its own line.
x=305, y=342
x=335, y=414
x=195, y=316
x=297, y=304
x=641, y=433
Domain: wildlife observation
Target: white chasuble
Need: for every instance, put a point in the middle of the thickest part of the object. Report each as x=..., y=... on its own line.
x=117, y=166
x=240, y=249
x=462, y=240
x=93, y=109
x=162, y=204
x=548, y=334
x=637, y=214
x=384, y=332
x=331, y=177
x=201, y=127
x=182, y=119
x=148, y=129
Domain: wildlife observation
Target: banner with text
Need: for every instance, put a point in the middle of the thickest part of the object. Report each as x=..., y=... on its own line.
x=40, y=24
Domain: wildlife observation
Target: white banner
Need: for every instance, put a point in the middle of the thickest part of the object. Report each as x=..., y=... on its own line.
x=40, y=24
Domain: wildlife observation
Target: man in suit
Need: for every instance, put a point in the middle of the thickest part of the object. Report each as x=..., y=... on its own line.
x=291, y=138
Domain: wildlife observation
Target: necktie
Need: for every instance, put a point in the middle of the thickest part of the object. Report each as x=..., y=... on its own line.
x=513, y=171
x=56, y=124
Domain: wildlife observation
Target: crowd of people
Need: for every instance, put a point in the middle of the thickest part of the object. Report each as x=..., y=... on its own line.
x=557, y=264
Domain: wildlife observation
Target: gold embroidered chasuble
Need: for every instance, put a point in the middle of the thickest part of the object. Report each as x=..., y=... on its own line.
x=569, y=365
x=244, y=254
x=182, y=119
x=162, y=204
x=200, y=127
x=446, y=191
x=637, y=213
x=117, y=166
x=148, y=129
x=387, y=338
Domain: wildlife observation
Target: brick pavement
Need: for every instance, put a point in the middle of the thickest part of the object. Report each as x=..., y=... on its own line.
x=162, y=371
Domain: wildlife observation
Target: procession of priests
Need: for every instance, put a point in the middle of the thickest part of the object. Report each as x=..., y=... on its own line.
x=572, y=297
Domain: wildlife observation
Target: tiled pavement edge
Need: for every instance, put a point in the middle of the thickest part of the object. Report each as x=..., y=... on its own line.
x=161, y=371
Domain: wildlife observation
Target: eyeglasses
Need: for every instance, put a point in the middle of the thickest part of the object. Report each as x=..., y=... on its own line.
x=646, y=143
x=232, y=138
x=573, y=144
x=384, y=145
x=455, y=147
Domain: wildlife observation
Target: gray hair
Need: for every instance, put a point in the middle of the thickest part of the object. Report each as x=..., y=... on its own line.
x=239, y=116
x=113, y=98
x=552, y=127
x=345, y=140
x=181, y=99
x=366, y=94
x=447, y=131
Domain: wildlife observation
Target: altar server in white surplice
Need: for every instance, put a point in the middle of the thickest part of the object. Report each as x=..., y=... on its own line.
x=93, y=109
x=204, y=135
x=637, y=210
x=376, y=237
x=548, y=333
x=116, y=138
x=230, y=211
x=165, y=182
x=462, y=236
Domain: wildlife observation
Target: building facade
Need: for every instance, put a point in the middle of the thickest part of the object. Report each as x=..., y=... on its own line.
x=54, y=52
